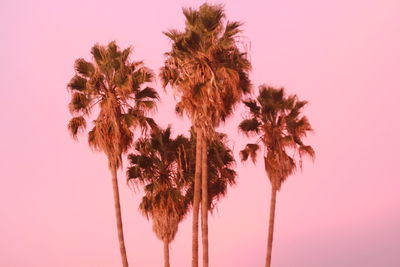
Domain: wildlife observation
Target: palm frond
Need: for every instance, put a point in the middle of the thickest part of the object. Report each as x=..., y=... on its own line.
x=152, y=124
x=132, y=172
x=140, y=76
x=92, y=139
x=125, y=54
x=173, y=34
x=99, y=53
x=249, y=151
x=113, y=49
x=250, y=126
x=77, y=83
x=210, y=16
x=79, y=103
x=232, y=28
x=307, y=151
x=191, y=17
x=84, y=68
x=76, y=125
x=147, y=92
x=252, y=105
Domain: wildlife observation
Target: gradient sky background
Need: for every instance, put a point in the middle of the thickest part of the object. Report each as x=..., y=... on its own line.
x=56, y=202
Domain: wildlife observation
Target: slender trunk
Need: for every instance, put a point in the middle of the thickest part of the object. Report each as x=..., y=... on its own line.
x=271, y=226
x=196, y=201
x=204, y=202
x=166, y=253
x=118, y=218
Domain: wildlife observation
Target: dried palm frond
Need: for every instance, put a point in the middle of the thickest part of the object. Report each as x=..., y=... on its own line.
x=76, y=125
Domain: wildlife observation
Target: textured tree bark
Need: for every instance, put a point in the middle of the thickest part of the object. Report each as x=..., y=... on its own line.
x=196, y=201
x=204, y=202
x=271, y=226
x=117, y=206
x=166, y=253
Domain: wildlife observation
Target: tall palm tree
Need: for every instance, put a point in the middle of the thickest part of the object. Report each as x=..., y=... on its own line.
x=114, y=85
x=207, y=69
x=277, y=122
x=156, y=166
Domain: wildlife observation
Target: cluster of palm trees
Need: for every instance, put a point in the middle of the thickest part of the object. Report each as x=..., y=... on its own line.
x=209, y=72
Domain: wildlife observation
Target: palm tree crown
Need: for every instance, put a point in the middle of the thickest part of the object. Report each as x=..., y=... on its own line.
x=156, y=166
x=275, y=119
x=206, y=67
x=116, y=84
x=165, y=167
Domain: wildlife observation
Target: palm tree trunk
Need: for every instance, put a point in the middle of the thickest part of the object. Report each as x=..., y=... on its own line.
x=166, y=253
x=118, y=217
x=204, y=202
x=271, y=226
x=196, y=201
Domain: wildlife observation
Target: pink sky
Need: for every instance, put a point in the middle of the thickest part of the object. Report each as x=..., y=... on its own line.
x=343, y=210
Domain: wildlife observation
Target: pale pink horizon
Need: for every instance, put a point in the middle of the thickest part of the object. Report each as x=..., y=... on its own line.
x=340, y=211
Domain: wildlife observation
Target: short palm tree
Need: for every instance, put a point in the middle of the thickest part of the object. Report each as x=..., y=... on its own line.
x=155, y=165
x=277, y=122
x=210, y=73
x=114, y=85
x=165, y=167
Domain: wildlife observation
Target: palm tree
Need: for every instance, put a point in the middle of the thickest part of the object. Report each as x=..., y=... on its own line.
x=210, y=73
x=156, y=166
x=113, y=84
x=277, y=122
x=165, y=168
